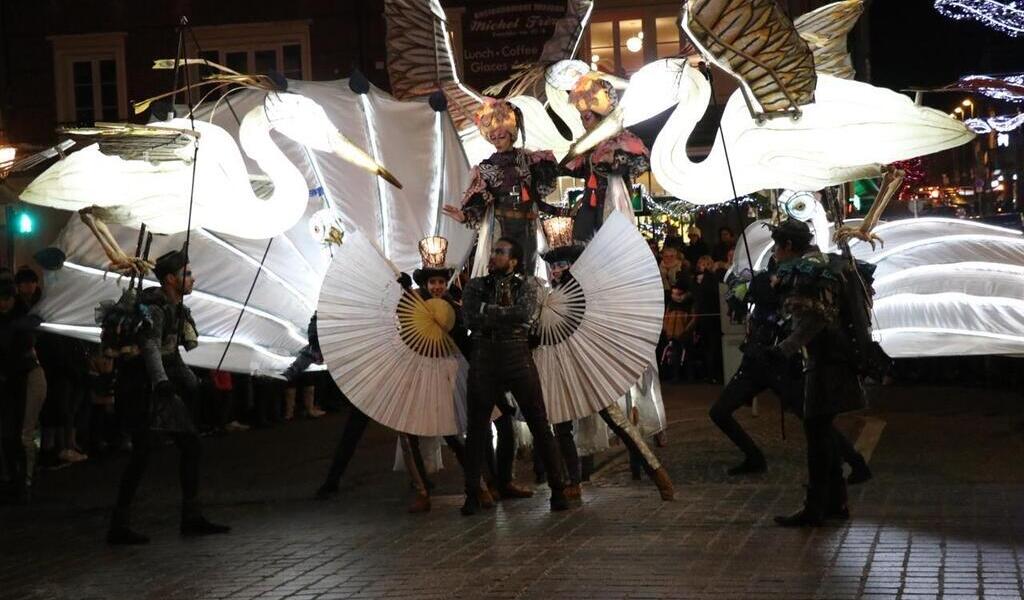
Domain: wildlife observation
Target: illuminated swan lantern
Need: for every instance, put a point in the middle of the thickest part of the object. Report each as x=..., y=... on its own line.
x=133, y=189
x=789, y=125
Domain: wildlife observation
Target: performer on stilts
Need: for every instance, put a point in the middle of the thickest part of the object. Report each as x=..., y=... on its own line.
x=611, y=167
x=506, y=191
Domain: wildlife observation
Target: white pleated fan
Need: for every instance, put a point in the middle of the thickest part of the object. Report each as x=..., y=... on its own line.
x=599, y=332
x=388, y=350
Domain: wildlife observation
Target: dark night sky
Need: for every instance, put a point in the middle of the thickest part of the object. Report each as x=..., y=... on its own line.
x=912, y=44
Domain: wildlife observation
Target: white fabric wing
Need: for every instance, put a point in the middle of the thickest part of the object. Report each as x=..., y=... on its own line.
x=599, y=333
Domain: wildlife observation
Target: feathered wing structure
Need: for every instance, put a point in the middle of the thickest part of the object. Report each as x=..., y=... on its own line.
x=825, y=31
x=529, y=80
x=420, y=60
x=598, y=332
x=755, y=41
x=387, y=349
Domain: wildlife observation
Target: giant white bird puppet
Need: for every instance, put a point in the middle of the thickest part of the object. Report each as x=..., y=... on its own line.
x=134, y=175
x=788, y=126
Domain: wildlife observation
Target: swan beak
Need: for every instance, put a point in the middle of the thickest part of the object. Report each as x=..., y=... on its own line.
x=388, y=177
x=348, y=151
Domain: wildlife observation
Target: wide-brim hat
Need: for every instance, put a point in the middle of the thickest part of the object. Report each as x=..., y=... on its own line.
x=421, y=276
x=563, y=254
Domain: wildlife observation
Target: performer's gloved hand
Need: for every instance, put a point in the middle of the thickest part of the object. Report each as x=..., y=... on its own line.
x=405, y=281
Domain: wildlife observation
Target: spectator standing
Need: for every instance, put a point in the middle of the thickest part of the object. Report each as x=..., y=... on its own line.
x=25, y=390
x=696, y=247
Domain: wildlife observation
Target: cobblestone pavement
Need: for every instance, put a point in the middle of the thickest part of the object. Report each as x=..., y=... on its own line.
x=944, y=517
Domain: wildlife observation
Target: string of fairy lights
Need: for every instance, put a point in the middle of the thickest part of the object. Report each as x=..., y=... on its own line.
x=1007, y=17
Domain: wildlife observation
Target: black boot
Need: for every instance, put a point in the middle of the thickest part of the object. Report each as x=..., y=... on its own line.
x=558, y=501
x=471, y=506
x=805, y=517
x=198, y=525
x=193, y=523
x=750, y=466
x=120, y=534
x=859, y=471
x=327, y=490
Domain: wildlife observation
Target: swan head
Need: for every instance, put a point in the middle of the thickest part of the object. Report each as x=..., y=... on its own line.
x=657, y=87
x=305, y=122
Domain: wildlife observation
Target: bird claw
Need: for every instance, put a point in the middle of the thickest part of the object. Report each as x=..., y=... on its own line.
x=844, y=235
x=130, y=267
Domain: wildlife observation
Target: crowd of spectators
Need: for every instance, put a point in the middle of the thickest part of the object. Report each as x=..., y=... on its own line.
x=691, y=340
x=59, y=406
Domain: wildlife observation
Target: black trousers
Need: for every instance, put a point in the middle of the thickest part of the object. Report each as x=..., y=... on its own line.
x=499, y=367
x=143, y=444
x=355, y=427
x=752, y=378
x=826, y=489
x=570, y=454
x=501, y=461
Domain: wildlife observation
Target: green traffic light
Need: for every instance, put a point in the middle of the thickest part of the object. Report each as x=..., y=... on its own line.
x=25, y=224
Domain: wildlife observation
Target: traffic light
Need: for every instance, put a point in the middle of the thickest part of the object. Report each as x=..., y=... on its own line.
x=24, y=224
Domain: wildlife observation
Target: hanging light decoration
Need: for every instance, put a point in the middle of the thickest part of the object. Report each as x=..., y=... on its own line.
x=1007, y=17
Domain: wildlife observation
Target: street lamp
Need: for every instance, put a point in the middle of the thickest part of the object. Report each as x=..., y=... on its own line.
x=969, y=104
x=7, y=156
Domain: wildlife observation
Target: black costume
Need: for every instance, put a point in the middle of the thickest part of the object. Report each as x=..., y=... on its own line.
x=811, y=289
x=616, y=161
x=762, y=370
x=152, y=388
x=499, y=310
x=515, y=184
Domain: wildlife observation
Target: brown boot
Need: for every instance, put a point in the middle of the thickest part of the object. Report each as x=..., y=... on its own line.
x=664, y=483
x=514, y=490
x=486, y=499
x=573, y=492
x=420, y=504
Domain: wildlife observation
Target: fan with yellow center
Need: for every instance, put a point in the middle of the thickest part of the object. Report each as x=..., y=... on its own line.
x=388, y=349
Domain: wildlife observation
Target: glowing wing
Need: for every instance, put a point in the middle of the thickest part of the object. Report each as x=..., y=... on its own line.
x=135, y=142
x=755, y=41
x=420, y=60
x=825, y=31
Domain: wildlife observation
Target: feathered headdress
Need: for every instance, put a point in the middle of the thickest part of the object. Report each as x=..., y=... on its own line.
x=595, y=93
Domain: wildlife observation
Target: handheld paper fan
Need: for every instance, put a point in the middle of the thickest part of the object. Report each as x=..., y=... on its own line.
x=599, y=331
x=388, y=350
